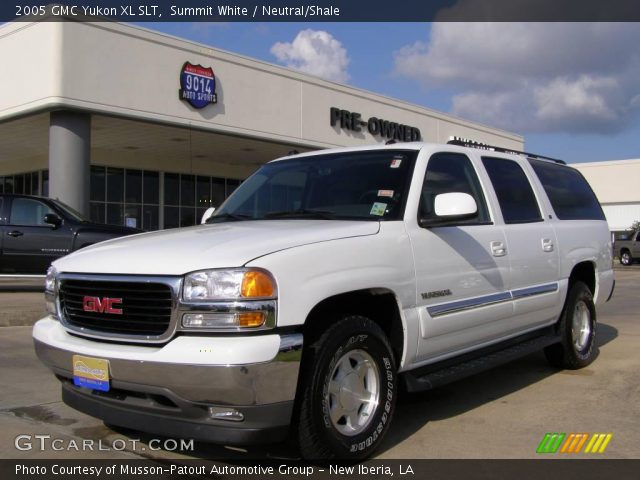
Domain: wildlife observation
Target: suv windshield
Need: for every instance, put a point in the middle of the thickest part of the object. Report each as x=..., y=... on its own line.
x=369, y=185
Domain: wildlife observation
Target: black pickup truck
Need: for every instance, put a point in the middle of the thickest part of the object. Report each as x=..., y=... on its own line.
x=36, y=230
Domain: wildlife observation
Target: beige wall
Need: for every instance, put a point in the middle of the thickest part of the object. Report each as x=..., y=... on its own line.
x=613, y=181
x=122, y=70
x=31, y=66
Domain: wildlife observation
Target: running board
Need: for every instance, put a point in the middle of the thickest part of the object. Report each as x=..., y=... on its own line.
x=447, y=371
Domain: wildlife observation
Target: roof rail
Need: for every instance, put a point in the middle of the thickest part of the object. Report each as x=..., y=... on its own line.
x=493, y=148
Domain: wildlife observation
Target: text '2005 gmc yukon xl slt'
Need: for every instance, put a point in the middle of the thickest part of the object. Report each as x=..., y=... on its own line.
x=324, y=282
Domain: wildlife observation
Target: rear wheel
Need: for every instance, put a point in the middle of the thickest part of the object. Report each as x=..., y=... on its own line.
x=348, y=391
x=577, y=330
x=625, y=258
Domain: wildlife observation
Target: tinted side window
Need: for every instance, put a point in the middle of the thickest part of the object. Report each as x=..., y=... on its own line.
x=570, y=195
x=515, y=195
x=25, y=211
x=451, y=172
x=1, y=211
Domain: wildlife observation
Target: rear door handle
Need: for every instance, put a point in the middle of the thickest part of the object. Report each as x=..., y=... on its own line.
x=15, y=233
x=547, y=245
x=498, y=249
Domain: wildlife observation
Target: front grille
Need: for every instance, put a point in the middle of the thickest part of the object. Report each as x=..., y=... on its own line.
x=146, y=307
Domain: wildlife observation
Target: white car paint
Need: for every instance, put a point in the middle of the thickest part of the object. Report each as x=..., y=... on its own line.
x=182, y=350
x=182, y=250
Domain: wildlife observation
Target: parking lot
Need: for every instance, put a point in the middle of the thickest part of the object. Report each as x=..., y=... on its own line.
x=503, y=413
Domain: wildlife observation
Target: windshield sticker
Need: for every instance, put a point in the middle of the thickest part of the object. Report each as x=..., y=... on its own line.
x=378, y=209
x=396, y=162
x=385, y=193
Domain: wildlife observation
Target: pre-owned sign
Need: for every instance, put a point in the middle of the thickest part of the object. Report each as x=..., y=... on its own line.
x=375, y=126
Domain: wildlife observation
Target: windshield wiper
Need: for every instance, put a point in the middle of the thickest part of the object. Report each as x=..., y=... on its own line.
x=302, y=213
x=228, y=216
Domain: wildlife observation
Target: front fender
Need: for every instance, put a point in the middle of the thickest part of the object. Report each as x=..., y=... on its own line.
x=309, y=274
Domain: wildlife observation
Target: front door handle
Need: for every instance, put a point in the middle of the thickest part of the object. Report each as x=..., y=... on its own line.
x=15, y=233
x=547, y=245
x=498, y=249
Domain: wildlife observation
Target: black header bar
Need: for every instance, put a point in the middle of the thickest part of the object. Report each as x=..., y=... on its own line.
x=324, y=10
x=539, y=469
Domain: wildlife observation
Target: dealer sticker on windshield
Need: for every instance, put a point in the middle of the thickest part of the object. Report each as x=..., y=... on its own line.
x=91, y=372
x=378, y=209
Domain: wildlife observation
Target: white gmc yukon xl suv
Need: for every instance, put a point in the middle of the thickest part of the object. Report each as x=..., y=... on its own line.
x=326, y=282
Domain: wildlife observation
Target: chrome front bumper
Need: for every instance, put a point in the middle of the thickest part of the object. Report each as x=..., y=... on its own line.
x=177, y=388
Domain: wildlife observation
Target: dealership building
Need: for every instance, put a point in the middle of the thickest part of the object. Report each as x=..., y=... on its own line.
x=131, y=126
x=617, y=185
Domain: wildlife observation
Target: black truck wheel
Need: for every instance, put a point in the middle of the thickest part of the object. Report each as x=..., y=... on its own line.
x=577, y=330
x=625, y=258
x=348, y=391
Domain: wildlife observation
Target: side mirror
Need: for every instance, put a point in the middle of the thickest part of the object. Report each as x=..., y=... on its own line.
x=52, y=219
x=449, y=208
x=454, y=205
x=207, y=214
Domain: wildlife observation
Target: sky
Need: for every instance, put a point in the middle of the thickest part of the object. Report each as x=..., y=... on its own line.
x=571, y=89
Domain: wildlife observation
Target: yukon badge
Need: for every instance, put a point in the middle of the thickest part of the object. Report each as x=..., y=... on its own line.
x=436, y=293
x=102, y=305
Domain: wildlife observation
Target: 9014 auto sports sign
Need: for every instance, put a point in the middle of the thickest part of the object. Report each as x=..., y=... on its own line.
x=198, y=85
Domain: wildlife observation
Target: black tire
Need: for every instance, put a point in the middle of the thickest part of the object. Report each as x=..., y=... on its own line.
x=625, y=258
x=577, y=329
x=353, y=344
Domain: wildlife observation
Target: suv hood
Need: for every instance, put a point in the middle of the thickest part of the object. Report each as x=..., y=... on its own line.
x=230, y=244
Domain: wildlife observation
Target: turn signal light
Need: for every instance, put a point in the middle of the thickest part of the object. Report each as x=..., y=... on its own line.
x=250, y=319
x=257, y=284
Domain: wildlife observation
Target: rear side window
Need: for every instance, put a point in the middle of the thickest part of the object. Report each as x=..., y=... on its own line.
x=515, y=195
x=569, y=193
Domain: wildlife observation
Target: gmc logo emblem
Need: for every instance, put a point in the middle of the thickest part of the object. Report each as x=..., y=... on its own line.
x=102, y=305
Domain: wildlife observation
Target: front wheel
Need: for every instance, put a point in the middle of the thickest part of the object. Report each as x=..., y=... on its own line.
x=577, y=330
x=349, y=391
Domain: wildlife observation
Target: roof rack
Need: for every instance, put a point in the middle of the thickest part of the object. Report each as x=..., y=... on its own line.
x=493, y=148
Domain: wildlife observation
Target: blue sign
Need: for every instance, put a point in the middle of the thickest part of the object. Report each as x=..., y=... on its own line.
x=198, y=85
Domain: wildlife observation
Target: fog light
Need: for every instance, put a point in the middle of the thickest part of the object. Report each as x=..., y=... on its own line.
x=223, y=413
x=223, y=320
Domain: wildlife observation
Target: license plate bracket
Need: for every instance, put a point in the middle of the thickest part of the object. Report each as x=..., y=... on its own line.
x=91, y=372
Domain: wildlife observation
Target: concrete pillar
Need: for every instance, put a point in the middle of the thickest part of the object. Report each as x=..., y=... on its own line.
x=69, y=155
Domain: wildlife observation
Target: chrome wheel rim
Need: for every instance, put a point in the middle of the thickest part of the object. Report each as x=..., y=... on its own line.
x=581, y=326
x=626, y=258
x=353, y=393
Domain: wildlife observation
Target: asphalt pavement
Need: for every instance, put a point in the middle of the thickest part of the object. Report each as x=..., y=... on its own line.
x=502, y=413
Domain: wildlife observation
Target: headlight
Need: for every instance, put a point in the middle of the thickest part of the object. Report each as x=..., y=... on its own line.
x=51, y=292
x=237, y=284
x=50, y=280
